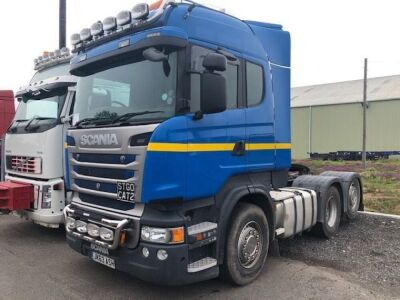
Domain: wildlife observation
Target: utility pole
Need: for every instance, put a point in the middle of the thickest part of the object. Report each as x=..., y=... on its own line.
x=365, y=106
x=62, y=23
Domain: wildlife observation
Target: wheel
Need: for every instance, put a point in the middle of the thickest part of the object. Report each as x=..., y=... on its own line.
x=246, y=246
x=331, y=212
x=354, y=199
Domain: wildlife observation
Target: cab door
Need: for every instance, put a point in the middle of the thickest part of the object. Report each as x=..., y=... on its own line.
x=213, y=157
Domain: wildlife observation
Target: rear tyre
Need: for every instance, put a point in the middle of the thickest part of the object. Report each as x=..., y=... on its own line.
x=331, y=211
x=246, y=246
x=354, y=199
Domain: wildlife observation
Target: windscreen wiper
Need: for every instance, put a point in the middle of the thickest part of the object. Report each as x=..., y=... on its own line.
x=88, y=121
x=128, y=116
x=28, y=126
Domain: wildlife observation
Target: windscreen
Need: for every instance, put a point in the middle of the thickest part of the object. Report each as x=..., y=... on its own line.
x=141, y=91
x=39, y=112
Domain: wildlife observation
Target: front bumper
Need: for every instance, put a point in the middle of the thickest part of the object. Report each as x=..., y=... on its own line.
x=49, y=217
x=129, y=258
x=172, y=271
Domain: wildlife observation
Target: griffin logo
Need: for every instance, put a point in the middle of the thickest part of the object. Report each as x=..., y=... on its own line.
x=108, y=139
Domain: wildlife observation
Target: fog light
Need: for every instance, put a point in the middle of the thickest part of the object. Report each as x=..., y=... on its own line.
x=93, y=230
x=145, y=252
x=106, y=234
x=81, y=226
x=162, y=254
x=70, y=223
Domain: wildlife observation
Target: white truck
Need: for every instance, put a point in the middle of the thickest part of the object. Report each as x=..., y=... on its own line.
x=34, y=143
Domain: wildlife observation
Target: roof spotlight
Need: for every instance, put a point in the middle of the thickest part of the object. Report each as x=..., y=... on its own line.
x=86, y=35
x=97, y=29
x=75, y=39
x=140, y=11
x=40, y=58
x=124, y=18
x=57, y=53
x=52, y=55
x=64, y=51
x=109, y=24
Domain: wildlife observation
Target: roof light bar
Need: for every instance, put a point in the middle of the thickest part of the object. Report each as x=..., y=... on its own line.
x=139, y=16
x=52, y=58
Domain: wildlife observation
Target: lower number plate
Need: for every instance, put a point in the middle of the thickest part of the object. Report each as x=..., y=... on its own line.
x=104, y=260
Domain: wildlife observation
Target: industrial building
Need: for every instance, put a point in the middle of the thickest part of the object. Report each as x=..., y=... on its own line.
x=329, y=117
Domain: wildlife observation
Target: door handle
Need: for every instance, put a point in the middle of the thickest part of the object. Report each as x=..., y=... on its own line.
x=239, y=149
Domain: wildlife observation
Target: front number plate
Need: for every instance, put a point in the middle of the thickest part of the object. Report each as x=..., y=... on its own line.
x=104, y=260
x=126, y=191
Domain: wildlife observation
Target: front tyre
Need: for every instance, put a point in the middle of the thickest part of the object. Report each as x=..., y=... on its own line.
x=247, y=245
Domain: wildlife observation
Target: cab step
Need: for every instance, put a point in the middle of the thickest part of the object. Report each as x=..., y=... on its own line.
x=202, y=264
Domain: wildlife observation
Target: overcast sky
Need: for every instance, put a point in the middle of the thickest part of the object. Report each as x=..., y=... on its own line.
x=330, y=38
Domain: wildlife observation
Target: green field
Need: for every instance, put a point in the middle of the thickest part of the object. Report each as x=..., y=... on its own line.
x=381, y=181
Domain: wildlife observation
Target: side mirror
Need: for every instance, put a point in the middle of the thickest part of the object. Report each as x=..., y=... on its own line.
x=213, y=85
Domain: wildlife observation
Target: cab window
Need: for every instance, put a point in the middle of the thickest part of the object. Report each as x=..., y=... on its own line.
x=230, y=74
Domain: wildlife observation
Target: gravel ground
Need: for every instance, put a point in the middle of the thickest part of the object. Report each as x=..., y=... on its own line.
x=368, y=247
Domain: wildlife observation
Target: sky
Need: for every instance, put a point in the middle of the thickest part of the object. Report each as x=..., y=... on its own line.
x=330, y=39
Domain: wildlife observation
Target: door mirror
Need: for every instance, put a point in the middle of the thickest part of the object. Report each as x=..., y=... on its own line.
x=213, y=85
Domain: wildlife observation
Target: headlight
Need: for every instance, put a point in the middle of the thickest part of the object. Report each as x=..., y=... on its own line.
x=93, y=230
x=81, y=226
x=163, y=235
x=106, y=234
x=46, y=197
x=70, y=223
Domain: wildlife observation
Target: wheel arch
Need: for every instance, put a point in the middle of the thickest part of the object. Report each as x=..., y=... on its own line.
x=245, y=194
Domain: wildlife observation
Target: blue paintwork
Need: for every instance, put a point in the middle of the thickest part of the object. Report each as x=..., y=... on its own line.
x=201, y=174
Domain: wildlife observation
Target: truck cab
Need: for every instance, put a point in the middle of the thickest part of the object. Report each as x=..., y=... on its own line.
x=34, y=143
x=180, y=151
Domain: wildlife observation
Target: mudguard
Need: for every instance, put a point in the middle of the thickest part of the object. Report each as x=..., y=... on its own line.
x=320, y=184
x=346, y=179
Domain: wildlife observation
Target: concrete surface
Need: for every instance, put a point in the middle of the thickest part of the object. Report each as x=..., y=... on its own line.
x=35, y=263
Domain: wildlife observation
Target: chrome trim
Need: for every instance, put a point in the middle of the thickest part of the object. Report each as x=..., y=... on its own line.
x=94, y=192
x=104, y=166
x=104, y=180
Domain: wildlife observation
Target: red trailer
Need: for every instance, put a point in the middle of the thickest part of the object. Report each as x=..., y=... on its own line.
x=7, y=111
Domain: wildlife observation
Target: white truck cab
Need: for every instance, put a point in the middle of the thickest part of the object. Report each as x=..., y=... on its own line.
x=34, y=143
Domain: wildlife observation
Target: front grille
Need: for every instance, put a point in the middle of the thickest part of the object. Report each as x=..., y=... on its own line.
x=96, y=175
x=104, y=173
x=24, y=164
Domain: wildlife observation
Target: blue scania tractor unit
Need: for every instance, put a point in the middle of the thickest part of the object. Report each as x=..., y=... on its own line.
x=179, y=149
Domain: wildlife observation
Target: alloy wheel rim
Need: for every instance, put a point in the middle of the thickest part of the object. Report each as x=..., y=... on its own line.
x=250, y=245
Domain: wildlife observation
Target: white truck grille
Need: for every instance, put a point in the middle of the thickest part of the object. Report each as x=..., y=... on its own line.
x=24, y=164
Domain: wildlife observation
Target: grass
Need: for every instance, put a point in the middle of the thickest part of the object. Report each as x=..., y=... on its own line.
x=381, y=181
